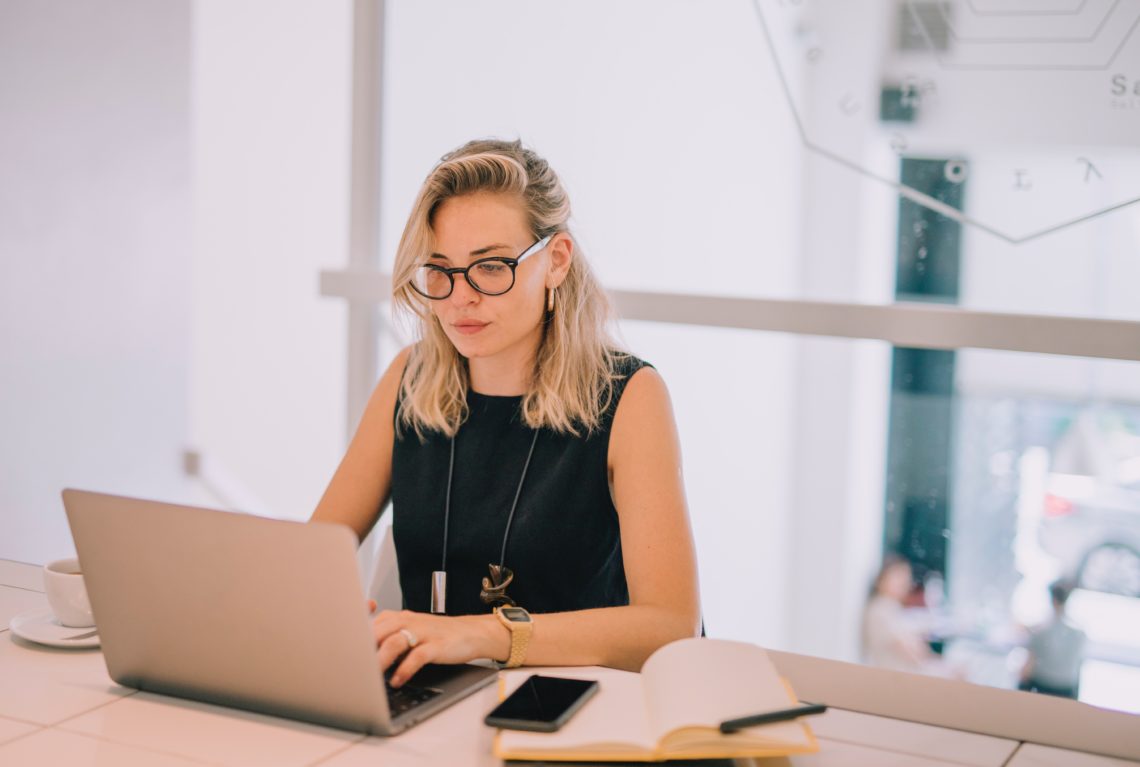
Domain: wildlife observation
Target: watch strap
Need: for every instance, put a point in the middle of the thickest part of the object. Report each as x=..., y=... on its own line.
x=520, y=638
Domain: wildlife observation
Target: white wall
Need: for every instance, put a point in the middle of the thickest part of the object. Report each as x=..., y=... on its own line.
x=271, y=87
x=141, y=317
x=94, y=258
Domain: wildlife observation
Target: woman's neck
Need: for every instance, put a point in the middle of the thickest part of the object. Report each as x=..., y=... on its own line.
x=506, y=374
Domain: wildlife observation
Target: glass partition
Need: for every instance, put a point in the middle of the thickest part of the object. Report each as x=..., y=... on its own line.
x=808, y=461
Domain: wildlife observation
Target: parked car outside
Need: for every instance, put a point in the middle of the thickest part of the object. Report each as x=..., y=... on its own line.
x=1092, y=527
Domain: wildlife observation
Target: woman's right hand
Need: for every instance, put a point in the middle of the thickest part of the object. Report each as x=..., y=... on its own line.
x=414, y=639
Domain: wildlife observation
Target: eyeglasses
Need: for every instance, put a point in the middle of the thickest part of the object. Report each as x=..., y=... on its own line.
x=492, y=276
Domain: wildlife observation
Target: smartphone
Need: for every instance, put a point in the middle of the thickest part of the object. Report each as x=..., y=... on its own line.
x=542, y=703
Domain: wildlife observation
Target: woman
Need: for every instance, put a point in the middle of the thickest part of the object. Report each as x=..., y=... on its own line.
x=891, y=639
x=528, y=462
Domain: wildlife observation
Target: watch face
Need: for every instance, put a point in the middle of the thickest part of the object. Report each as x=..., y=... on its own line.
x=515, y=614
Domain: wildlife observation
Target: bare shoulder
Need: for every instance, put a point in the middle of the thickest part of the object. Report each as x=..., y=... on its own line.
x=396, y=368
x=645, y=395
x=644, y=416
x=382, y=404
x=360, y=488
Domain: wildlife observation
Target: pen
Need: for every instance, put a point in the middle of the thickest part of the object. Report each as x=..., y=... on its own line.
x=732, y=725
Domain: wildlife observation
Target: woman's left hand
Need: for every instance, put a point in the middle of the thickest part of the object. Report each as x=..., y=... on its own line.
x=427, y=638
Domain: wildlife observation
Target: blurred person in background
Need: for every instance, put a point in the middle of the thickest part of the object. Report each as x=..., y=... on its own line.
x=1056, y=651
x=890, y=637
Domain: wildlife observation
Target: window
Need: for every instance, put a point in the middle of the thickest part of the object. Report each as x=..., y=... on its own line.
x=959, y=218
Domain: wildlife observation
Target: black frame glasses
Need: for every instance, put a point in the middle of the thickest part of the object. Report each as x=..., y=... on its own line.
x=450, y=272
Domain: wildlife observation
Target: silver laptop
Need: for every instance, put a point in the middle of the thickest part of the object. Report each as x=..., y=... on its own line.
x=254, y=613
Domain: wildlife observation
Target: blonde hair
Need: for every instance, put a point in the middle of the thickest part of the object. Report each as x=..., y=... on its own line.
x=572, y=381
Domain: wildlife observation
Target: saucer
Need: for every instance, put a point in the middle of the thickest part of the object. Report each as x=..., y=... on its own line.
x=42, y=627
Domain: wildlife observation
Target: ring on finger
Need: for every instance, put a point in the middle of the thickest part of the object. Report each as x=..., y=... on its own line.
x=413, y=640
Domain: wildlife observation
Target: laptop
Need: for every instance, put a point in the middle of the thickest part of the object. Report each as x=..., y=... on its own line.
x=260, y=614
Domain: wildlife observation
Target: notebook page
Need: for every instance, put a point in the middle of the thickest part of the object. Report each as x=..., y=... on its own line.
x=613, y=720
x=703, y=682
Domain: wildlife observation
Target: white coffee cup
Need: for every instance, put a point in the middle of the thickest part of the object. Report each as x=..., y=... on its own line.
x=67, y=594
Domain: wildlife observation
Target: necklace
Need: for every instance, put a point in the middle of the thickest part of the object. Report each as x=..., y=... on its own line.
x=495, y=585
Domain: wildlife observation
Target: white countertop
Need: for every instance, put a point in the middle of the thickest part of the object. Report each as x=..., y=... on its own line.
x=60, y=707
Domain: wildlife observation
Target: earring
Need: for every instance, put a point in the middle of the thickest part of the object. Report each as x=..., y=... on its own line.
x=550, y=300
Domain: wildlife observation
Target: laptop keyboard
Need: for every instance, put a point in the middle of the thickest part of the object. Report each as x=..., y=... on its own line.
x=403, y=699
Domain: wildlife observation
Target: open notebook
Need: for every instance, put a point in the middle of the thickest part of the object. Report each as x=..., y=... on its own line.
x=671, y=710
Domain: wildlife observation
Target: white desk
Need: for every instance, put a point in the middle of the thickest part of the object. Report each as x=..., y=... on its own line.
x=60, y=707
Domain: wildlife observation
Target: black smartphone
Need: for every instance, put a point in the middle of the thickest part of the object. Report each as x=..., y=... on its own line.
x=542, y=703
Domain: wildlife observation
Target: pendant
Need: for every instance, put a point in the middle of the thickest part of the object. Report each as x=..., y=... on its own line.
x=439, y=592
x=495, y=587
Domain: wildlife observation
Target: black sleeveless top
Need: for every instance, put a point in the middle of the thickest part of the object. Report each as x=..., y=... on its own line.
x=564, y=545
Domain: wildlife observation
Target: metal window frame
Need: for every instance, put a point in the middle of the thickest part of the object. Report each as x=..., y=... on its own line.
x=916, y=325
